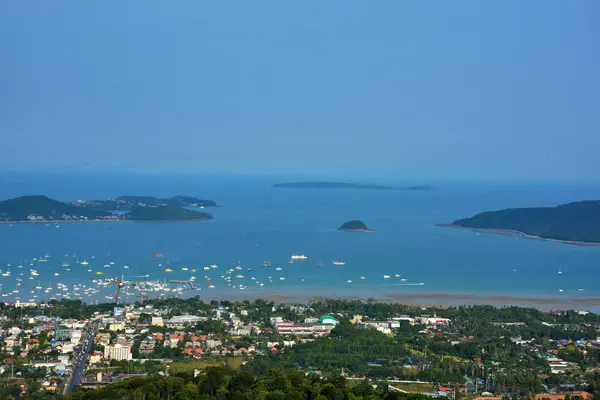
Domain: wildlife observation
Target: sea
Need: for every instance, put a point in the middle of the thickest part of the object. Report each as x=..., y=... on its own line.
x=255, y=223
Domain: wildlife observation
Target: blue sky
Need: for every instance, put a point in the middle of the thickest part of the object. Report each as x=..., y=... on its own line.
x=445, y=89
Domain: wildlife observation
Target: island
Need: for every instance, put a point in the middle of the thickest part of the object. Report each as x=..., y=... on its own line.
x=343, y=185
x=573, y=223
x=166, y=213
x=39, y=208
x=130, y=202
x=354, y=226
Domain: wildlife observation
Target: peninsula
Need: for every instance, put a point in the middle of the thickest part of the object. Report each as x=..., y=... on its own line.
x=342, y=185
x=573, y=223
x=38, y=208
x=354, y=226
x=166, y=213
x=130, y=202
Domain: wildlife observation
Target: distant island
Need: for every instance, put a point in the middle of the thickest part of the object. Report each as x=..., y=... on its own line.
x=354, y=226
x=38, y=208
x=572, y=223
x=130, y=202
x=342, y=185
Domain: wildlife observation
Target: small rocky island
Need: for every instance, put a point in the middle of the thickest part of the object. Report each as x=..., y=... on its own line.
x=354, y=226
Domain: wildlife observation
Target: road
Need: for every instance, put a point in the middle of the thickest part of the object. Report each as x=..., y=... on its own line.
x=79, y=360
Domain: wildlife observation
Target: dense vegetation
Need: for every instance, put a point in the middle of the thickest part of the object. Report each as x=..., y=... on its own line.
x=222, y=383
x=354, y=225
x=579, y=221
x=166, y=213
x=348, y=349
x=19, y=208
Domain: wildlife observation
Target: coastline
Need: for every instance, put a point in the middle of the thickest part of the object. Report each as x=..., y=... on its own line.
x=99, y=220
x=511, y=232
x=433, y=299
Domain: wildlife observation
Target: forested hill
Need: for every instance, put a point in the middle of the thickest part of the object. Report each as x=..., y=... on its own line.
x=19, y=208
x=166, y=213
x=130, y=202
x=579, y=221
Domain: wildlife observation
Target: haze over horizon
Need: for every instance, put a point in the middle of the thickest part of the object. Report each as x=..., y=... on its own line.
x=469, y=89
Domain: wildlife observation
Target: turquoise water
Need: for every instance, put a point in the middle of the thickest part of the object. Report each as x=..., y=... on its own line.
x=273, y=224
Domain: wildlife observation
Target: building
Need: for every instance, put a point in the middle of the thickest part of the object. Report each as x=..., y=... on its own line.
x=157, y=321
x=291, y=328
x=76, y=335
x=147, y=346
x=180, y=320
x=62, y=333
x=117, y=352
x=117, y=326
x=328, y=320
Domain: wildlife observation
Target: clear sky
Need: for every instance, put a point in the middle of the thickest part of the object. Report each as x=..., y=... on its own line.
x=404, y=88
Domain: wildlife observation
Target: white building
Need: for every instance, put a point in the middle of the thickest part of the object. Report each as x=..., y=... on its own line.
x=117, y=352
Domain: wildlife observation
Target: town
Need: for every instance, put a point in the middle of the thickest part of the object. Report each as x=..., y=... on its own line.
x=63, y=348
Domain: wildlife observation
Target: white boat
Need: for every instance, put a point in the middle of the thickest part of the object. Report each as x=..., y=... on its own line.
x=84, y=262
x=278, y=269
x=348, y=281
x=560, y=271
x=386, y=277
x=239, y=276
x=184, y=269
x=339, y=262
x=298, y=257
x=65, y=264
x=282, y=278
x=362, y=278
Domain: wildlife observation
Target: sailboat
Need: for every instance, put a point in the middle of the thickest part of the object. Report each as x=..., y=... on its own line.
x=339, y=262
x=320, y=263
x=560, y=271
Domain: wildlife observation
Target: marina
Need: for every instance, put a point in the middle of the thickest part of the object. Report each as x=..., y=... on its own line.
x=246, y=241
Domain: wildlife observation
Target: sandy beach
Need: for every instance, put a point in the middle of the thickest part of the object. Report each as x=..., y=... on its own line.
x=434, y=300
x=509, y=232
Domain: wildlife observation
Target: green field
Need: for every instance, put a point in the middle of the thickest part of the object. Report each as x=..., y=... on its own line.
x=414, y=387
x=234, y=363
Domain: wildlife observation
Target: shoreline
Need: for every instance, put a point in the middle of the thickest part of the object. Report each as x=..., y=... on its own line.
x=433, y=299
x=48, y=222
x=515, y=233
